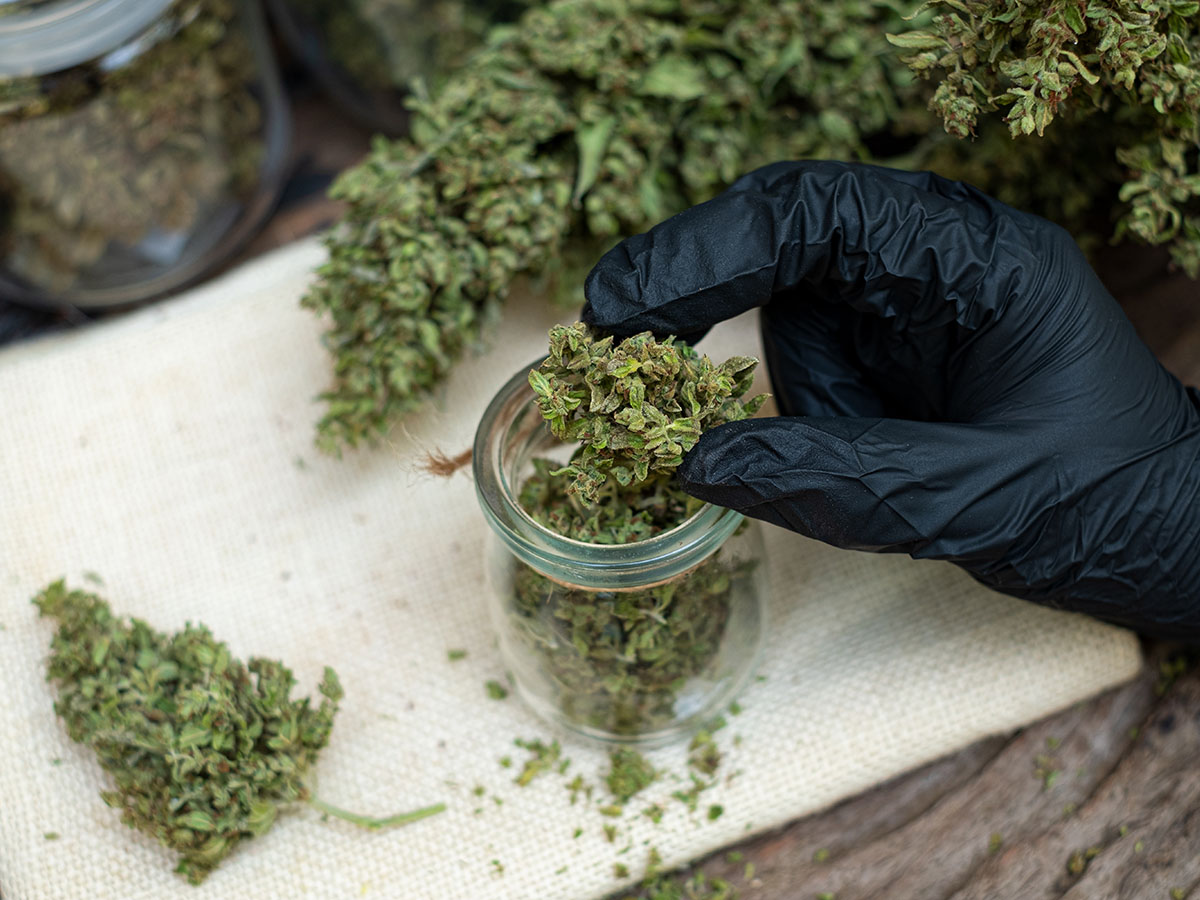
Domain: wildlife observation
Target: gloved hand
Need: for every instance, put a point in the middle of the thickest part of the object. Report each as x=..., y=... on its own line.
x=955, y=384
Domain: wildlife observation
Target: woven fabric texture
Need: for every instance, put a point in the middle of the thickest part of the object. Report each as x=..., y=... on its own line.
x=170, y=452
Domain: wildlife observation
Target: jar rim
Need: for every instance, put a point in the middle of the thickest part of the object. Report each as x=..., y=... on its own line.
x=56, y=36
x=567, y=560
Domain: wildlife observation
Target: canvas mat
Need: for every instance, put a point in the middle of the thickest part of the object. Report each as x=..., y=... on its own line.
x=170, y=452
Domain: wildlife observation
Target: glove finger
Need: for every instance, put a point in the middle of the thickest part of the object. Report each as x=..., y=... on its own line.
x=944, y=491
x=918, y=250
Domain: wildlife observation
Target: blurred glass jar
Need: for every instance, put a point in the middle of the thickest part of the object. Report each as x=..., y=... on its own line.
x=141, y=143
x=628, y=643
x=365, y=53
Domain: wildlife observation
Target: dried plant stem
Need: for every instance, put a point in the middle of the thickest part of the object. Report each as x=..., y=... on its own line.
x=375, y=824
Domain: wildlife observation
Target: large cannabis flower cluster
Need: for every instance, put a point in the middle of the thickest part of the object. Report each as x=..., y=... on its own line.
x=592, y=119
x=202, y=748
x=635, y=406
x=1133, y=65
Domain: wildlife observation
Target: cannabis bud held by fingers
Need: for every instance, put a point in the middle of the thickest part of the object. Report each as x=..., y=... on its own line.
x=636, y=406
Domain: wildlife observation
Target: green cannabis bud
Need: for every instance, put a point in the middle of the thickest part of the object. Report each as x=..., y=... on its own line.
x=202, y=748
x=635, y=405
x=1128, y=72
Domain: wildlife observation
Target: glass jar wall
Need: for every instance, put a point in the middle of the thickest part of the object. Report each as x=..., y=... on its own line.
x=141, y=143
x=366, y=53
x=630, y=643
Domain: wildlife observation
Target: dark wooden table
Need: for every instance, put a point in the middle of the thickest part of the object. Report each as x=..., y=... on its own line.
x=1099, y=801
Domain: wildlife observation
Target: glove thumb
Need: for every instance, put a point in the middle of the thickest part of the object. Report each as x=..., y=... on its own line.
x=928, y=489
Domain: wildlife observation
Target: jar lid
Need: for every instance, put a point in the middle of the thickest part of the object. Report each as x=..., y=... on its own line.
x=42, y=36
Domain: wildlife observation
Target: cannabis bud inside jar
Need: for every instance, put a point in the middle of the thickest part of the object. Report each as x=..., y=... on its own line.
x=627, y=610
x=141, y=141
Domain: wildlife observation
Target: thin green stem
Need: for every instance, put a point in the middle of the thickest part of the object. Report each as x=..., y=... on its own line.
x=372, y=823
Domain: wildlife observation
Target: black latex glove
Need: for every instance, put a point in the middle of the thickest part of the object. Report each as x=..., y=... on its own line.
x=955, y=381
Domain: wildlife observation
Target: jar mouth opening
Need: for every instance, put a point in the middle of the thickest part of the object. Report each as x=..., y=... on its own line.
x=667, y=534
x=508, y=435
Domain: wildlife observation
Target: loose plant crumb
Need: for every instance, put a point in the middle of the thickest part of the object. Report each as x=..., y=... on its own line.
x=629, y=774
x=543, y=758
x=703, y=754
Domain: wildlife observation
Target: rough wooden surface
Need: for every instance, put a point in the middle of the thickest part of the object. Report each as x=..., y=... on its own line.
x=1100, y=801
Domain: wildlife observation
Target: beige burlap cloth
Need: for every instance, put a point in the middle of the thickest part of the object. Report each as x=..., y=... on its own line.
x=170, y=452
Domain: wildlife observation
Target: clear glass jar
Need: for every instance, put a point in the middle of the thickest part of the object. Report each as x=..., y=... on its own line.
x=141, y=143
x=630, y=643
x=365, y=53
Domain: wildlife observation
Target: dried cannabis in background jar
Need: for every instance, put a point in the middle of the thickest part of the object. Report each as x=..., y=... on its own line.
x=367, y=52
x=203, y=749
x=634, y=612
x=592, y=119
x=140, y=142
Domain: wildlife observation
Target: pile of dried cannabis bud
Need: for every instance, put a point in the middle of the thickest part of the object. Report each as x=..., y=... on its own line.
x=98, y=158
x=202, y=748
x=592, y=119
x=618, y=659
